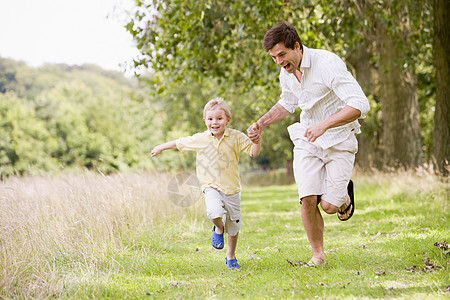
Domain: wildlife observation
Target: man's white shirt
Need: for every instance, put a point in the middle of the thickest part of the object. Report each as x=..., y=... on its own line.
x=326, y=87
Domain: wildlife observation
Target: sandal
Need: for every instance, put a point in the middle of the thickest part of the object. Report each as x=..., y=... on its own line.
x=232, y=264
x=217, y=239
x=312, y=264
x=350, y=206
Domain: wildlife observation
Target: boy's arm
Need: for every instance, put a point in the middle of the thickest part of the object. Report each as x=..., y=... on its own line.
x=160, y=148
x=256, y=147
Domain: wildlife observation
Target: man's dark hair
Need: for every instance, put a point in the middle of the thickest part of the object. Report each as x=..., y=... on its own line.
x=282, y=33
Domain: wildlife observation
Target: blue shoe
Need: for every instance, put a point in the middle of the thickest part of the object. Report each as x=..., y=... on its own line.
x=232, y=264
x=216, y=239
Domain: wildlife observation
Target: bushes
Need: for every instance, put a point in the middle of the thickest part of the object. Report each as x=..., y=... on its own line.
x=68, y=118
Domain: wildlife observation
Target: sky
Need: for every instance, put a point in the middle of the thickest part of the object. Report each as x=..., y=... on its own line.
x=73, y=32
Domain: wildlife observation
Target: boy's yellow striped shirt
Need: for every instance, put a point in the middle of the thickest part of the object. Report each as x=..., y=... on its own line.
x=217, y=161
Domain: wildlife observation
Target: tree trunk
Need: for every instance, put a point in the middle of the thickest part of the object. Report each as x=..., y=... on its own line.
x=401, y=139
x=442, y=64
x=368, y=156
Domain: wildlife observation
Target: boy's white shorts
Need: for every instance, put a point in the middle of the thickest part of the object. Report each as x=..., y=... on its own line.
x=324, y=172
x=219, y=204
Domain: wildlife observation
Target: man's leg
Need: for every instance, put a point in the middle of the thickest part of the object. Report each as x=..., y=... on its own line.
x=314, y=226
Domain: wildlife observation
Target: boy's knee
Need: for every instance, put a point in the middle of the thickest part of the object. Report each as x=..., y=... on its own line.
x=215, y=213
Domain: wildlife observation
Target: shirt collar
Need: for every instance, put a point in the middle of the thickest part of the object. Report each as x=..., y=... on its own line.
x=306, y=59
x=305, y=64
x=226, y=133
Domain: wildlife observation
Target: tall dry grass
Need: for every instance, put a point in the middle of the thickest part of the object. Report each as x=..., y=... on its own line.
x=423, y=182
x=72, y=221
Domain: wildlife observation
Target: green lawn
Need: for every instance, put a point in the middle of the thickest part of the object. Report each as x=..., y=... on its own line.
x=379, y=254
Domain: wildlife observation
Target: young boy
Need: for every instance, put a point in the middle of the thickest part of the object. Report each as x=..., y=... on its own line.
x=218, y=150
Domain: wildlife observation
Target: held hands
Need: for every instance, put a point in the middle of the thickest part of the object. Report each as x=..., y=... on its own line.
x=254, y=133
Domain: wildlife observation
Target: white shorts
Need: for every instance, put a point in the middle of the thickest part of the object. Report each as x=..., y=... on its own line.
x=219, y=204
x=324, y=172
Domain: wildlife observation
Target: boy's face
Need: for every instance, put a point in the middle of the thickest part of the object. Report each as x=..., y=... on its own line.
x=289, y=59
x=216, y=121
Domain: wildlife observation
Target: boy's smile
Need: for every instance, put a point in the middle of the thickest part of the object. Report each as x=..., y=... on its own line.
x=216, y=121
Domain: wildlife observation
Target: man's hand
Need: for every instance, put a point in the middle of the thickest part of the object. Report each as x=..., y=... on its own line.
x=314, y=131
x=254, y=133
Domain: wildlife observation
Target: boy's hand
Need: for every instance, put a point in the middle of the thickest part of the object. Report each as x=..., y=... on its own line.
x=160, y=148
x=157, y=150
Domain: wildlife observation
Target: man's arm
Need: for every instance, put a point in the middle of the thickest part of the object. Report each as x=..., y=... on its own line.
x=276, y=113
x=344, y=116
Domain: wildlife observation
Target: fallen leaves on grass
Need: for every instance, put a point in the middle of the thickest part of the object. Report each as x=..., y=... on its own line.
x=411, y=269
x=429, y=267
x=443, y=247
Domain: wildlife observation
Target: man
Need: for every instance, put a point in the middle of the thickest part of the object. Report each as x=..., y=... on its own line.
x=331, y=101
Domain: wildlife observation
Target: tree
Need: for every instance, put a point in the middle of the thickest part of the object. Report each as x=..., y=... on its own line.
x=24, y=140
x=221, y=40
x=61, y=116
x=389, y=45
x=442, y=65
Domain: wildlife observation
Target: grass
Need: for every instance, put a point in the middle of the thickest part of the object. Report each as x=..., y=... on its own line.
x=90, y=236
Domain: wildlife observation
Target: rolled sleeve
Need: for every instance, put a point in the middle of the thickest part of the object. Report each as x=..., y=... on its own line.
x=287, y=99
x=345, y=86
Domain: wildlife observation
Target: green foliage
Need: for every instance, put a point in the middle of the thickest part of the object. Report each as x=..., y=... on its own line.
x=203, y=39
x=198, y=50
x=201, y=49
x=59, y=117
x=24, y=139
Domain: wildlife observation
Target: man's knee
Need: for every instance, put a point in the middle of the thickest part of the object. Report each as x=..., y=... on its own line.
x=309, y=201
x=328, y=207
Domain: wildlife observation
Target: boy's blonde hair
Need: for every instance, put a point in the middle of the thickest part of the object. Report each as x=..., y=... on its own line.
x=220, y=103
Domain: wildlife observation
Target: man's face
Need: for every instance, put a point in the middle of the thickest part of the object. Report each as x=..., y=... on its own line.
x=287, y=58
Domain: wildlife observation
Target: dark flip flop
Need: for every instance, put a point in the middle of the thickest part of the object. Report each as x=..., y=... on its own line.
x=351, y=206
